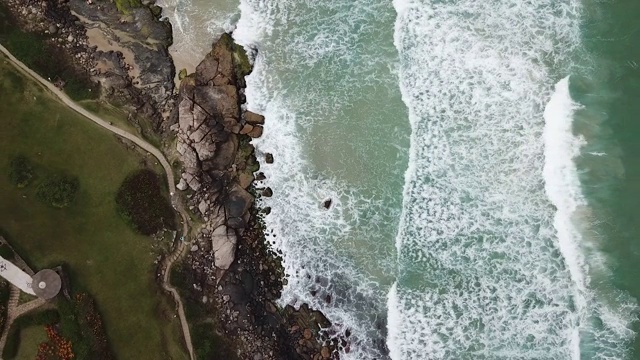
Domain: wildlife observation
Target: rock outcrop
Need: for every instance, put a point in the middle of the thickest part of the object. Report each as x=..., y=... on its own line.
x=208, y=123
x=232, y=265
x=125, y=52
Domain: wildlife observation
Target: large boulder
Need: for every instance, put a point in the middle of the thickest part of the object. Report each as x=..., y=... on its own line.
x=218, y=101
x=206, y=70
x=253, y=118
x=224, y=155
x=238, y=202
x=223, y=245
x=189, y=156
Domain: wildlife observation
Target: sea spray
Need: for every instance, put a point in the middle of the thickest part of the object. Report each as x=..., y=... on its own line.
x=337, y=130
x=482, y=275
x=602, y=329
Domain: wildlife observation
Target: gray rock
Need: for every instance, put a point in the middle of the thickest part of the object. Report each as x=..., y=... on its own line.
x=238, y=202
x=225, y=154
x=268, y=158
x=246, y=129
x=203, y=207
x=237, y=223
x=182, y=185
x=218, y=101
x=205, y=149
x=253, y=118
x=206, y=70
x=193, y=181
x=223, y=244
x=185, y=117
x=245, y=179
x=256, y=132
x=189, y=156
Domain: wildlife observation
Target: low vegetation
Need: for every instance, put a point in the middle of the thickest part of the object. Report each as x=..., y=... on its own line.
x=125, y=6
x=74, y=331
x=240, y=58
x=20, y=171
x=106, y=258
x=58, y=190
x=142, y=205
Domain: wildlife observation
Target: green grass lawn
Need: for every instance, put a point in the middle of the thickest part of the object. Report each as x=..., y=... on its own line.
x=104, y=256
x=30, y=338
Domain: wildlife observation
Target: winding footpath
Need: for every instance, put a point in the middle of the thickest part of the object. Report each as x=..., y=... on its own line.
x=175, y=199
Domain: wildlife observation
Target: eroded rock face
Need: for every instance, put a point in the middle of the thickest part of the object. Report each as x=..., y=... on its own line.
x=223, y=245
x=209, y=125
x=140, y=38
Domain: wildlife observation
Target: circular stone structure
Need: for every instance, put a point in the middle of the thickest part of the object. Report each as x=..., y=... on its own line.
x=46, y=284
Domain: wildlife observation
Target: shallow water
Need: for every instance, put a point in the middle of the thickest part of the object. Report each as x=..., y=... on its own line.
x=479, y=158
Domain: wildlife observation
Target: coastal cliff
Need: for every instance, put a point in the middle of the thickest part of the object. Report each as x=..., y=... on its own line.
x=119, y=54
x=231, y=278
x=231, y=273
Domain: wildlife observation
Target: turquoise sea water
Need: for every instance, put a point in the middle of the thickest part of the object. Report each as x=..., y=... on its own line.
x=481, y=161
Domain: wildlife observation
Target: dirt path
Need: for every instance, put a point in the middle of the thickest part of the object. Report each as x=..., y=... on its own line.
x=175, y=199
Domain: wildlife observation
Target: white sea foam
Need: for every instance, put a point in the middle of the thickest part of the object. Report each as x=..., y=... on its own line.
x=489, y=269
x=562, y=183
x=196, y=23
x=314, y=74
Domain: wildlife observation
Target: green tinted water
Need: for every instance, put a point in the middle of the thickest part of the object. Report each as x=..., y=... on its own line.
x=610, y=90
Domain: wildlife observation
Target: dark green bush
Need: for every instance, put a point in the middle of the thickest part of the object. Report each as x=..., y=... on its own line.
x=141, y=204
x=58, y=190
x=124, y=6
x=20, y=171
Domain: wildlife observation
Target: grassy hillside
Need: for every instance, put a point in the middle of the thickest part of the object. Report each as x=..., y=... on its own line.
x=105, y=256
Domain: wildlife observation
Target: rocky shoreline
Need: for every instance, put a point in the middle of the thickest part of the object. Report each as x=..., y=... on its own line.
x=231, y=278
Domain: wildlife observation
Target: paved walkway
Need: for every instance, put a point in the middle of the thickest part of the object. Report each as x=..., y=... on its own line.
x=175, y=199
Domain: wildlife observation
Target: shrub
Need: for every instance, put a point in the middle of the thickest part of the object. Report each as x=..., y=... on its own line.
x=141, y=204
x=58, y=190
x=124, y=6
x=20, y=171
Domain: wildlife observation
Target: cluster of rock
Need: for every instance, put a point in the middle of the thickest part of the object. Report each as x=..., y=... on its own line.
x=145, y=39
x=52, y=18
x=127, y=54
x=213, y=143
x=231, y=268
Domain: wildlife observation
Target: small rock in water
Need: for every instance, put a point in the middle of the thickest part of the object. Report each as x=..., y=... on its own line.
x=268, y=158
x=327, y=203
x=267, y=192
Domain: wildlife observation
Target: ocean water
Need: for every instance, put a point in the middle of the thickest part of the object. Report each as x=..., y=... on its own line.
x=480, y=161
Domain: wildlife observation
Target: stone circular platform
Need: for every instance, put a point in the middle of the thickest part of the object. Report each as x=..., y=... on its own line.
x=46, y=284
